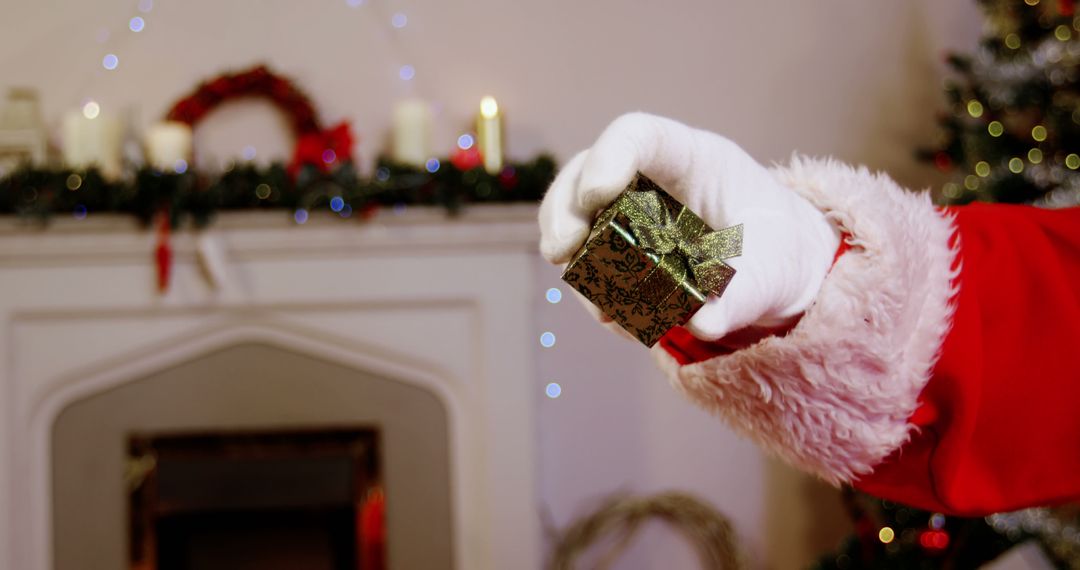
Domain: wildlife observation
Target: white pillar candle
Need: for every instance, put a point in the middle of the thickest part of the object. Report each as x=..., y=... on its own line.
x=91, y=138
x=489, y=135
x=412, y=132
x=168, y=146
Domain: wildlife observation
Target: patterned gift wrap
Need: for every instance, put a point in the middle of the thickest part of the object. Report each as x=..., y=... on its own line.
x=650, y=263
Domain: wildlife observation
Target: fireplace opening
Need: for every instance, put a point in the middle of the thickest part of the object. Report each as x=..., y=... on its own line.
x=264, y=500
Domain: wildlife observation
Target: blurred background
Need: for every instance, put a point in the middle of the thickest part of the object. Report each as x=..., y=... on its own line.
x=861, y=82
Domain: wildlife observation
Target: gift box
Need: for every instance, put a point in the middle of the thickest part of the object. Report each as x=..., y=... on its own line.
x=650, y=263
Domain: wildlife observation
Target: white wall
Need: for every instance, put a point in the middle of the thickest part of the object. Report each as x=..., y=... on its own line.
x=858, y=80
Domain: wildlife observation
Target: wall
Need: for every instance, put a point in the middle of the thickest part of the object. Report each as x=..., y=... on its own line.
x=858, y=80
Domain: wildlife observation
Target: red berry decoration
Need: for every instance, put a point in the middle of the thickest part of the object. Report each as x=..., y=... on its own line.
x=934, y=541
x=943, y=162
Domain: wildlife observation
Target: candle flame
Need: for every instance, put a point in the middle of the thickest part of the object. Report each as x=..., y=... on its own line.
x=489, y=108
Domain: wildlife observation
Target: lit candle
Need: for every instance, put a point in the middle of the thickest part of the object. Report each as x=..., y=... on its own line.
x=91, y=138
x=412, y=132
x=489, y=134
x=168, y=146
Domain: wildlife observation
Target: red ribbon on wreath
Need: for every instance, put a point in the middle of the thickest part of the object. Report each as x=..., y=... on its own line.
x=323, y=149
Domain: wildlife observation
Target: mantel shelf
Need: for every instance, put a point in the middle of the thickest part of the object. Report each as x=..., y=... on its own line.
x=110, y=238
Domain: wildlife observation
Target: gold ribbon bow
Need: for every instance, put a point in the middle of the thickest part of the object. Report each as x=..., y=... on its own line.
x=701, y=248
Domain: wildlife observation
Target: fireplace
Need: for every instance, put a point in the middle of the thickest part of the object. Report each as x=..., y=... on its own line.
x=258, y=500
x=415, y=326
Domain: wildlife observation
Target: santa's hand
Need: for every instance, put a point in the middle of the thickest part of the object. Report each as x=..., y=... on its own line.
x=788, y=245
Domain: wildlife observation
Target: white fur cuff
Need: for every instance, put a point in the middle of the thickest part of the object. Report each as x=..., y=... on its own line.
x=834, y=395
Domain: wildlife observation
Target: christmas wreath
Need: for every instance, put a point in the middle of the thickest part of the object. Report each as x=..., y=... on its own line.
x=315, y=146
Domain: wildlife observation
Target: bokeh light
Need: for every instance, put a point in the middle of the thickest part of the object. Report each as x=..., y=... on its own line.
x=407, y=72
x=110, y=61
x=91, y=110
x=553, y=295
x=137, y=24
x=553, y=390
x=547, y=340
x=886, y=535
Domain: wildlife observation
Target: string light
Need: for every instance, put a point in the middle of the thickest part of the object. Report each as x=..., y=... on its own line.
x=951, y=190
x=886, y=535
x=982, y=168
x=1038, y=132
x=432, y=165
x=91, y=110
x=465, y=142
x=110, y=61
x=1016, y=166
x=337, y=203
x=1072, y=161
x=300, y=216
x=180, y=166
x=553, y=390
x=1062, y=33
x=971, y=182
x=547, y=339
x=399, y=20
x=74, y=182
x=136, y=24
x=262, y=191
x=407, y=72
x=1012, y=41
x=995, y=128
x=553, y=295
x=975, y=108
x=1035, y=156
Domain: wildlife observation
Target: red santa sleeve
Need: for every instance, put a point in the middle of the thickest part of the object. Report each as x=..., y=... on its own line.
x=934, y=369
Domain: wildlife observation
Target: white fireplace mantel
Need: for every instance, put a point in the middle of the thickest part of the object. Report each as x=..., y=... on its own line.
x=441, y=303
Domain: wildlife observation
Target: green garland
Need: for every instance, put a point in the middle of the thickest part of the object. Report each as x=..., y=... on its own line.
x=192, y=197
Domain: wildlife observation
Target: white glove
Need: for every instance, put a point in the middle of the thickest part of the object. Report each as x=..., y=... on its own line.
x=788, y=245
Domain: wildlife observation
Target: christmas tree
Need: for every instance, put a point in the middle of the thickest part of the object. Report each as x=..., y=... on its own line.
x=1011, y=134
x=1012, y=129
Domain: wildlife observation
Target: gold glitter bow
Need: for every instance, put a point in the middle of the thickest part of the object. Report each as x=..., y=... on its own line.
x=701, y=248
